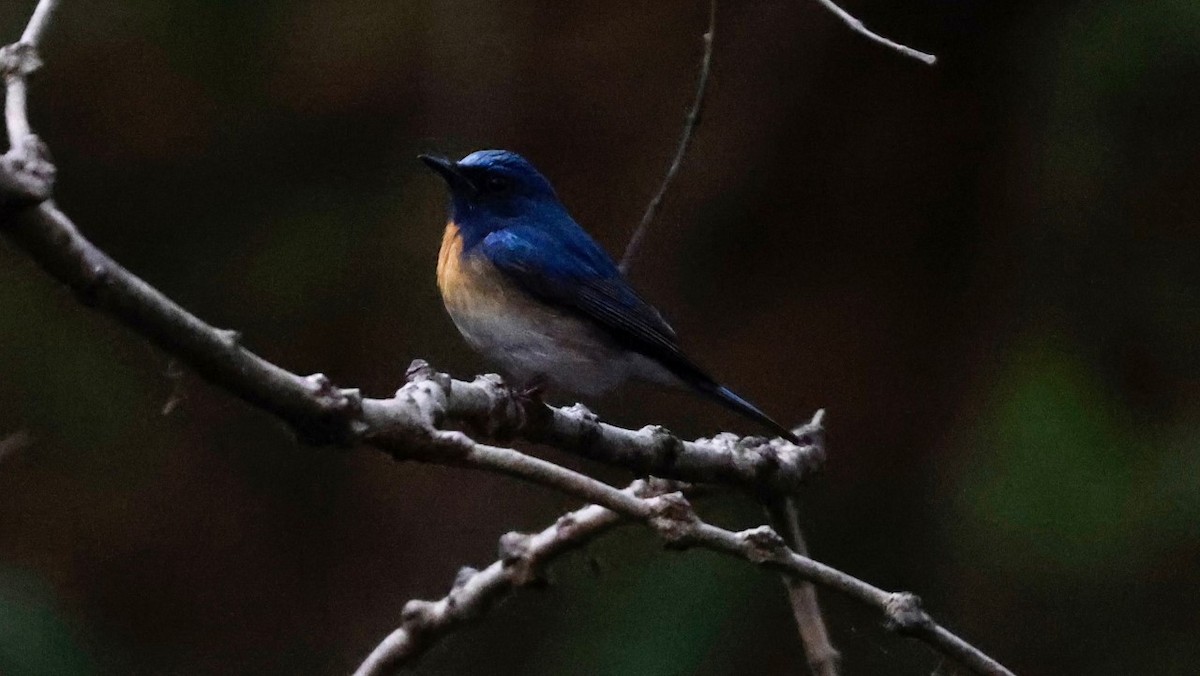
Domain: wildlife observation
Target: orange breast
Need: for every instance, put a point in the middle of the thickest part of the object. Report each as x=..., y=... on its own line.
x=449, y=267
x=470, y=285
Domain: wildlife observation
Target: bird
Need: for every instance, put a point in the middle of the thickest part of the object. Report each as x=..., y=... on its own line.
x=530, y=290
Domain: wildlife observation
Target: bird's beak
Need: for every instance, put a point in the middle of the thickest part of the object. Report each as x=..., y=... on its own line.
x=448, y=170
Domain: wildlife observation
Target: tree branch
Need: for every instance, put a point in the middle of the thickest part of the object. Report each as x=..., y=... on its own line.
x=26, y=174
x=320, y=412
x=523, y=559
x=19, y=61
x=38, y=21
x=487, y=407
x=858, y=27
x=693, y=118
x=818, y=649
x=685, y=140
x=408, y=425
x=671, y=516
x=405, y=425
x=822, y=656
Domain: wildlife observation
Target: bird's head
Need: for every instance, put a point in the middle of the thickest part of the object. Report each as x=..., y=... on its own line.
x=490, y=187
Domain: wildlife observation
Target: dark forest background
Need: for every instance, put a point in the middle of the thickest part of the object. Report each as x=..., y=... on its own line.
x=987, y=271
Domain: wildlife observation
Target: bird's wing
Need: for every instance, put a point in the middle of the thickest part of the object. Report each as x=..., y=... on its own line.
x=575, y=274
x=578, y=276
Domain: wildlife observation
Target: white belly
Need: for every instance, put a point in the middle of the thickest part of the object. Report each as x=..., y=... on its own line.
x=561, y=349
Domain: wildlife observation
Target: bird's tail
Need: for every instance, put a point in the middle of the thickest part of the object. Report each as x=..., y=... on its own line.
x=733, y=402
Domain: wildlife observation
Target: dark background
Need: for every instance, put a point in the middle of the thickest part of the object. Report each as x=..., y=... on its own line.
x=987, y=271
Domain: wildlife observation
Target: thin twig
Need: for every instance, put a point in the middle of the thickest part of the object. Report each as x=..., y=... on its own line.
x=14, y=111
x=18, y=63
x=821, y=654
x=818, y=649
x=38, y=22
x=26, y=174
x=783, y=515
x=685, y=140
x=858, y=27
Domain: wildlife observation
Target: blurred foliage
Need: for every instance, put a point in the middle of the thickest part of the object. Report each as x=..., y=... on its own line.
x=33, y=638
x=1057, y=477
x=986, y=272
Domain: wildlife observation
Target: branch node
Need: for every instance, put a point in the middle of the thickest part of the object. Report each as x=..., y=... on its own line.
x=762, y=446
x=665, y=444
x=19, y=59
x=418, y=371
x=812, y=433
x=463, y=576
x=652, y=487
x=340, y=422
x=674, y=519
x=581, y=413
x=588, y=422
x=418, y=613
x=763, y=544
x=332, y=398
x=513, y=547
x=95, y=273
x=516, y=553
x=26, y=173
x=494, y=385
x=321, y=384
x=565, y=523
x=231, y=337
x=905, y=615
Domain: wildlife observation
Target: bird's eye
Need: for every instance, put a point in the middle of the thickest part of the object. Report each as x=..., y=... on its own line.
x=498, y=183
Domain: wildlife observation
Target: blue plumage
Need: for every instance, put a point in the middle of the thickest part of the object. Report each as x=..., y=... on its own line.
x=527, y=286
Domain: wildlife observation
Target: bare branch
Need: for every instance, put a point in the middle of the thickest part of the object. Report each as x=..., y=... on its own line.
x=488, y=408
x=902, y=610
x=17, y=64
x=671, y=516
x=26, y=175
x=820, y=652
x=858, y=27
x=404, y=426
x=523, y=558
x=17, y=61
x=689, y=130
x=822, y=656
x=38, y=22
x=322, y=413
x=693, y=118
